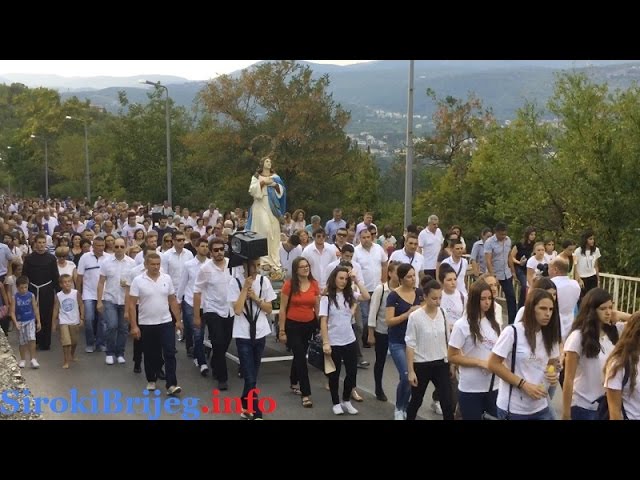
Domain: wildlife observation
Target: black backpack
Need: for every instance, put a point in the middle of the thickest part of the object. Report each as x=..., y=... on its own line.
x=603, y=404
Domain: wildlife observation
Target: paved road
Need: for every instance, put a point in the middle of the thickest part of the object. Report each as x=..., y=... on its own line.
x=90, y=373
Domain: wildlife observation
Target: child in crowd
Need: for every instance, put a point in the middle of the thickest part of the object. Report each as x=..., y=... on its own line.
x=26, y=319
x=68, y=312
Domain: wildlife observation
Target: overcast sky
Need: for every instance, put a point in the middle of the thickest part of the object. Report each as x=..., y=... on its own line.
x=189, y=69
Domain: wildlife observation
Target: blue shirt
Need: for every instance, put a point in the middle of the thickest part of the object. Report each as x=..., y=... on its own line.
x=331, y=228
x=24, y=307
x=397, y=332
x=500, y=256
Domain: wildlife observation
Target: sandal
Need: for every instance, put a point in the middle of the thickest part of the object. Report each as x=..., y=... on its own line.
x=306, y=402
x=295, y=389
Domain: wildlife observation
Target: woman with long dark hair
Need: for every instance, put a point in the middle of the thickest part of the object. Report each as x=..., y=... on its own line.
x=520, y=254
x=587, y=271
x=593, y=335
x=472, y=339
x=402, y=302
x=338, y=339
x=525, y=373
x=621, y=373
x=299, y=302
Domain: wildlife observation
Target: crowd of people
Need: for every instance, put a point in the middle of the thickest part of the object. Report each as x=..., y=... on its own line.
x=423, y=297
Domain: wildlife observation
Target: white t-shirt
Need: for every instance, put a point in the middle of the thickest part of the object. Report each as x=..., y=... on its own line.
x=533, y=263
x=371, y=262
x=430, y=243
x=529, y=365
x=339, y=320
x=68, y=268
x=427, y=336
x=474, y=379
x=416, y=261
x=240, y=322
x=461, y=271
x=568, y=295
x=589, y=379
x=69, y=312
x=586, y=264
x=153, y=297
x=213, y=283
x=630, y=399
x=453, y=306
x=550, y=257
x=287, y=258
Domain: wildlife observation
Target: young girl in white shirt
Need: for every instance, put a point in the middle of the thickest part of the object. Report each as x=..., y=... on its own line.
x=472, y=339
x=427, y=341
x=338, y=339
x=523, y=392
x=536, y=264
x=623, y=396
x=593, y=336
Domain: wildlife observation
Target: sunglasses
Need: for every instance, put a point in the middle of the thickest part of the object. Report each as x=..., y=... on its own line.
x=217, y=249
x=119, y=246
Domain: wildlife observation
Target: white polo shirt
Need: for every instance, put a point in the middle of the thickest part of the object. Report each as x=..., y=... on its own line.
x=213, y=283
x=370, y=262
x=114, y=271
x=153, y=297
x=89, y=268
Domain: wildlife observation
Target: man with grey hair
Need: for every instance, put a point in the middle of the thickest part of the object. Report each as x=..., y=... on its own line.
x=314, y=225
x=429, y=243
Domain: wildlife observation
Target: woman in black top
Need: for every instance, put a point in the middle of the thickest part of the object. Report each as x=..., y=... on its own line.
x=520, y=253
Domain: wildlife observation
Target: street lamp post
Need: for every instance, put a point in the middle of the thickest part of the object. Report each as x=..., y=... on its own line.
x=46, y=166
x=168, y=129
x=86, y=155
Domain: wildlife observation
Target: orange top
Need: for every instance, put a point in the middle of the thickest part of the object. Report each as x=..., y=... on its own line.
x=300, y=308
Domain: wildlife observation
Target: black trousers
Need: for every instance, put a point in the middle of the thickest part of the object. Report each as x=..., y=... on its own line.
x=438, y=373
x=45, y=306
x=346, y=353
x=382, y=345
x=298, y=336
x=589, y=284
x=220, y=330
x=159, y=343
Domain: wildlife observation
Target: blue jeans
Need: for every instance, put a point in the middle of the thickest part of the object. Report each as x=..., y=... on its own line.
x=93, y=324
x=403, y=392
x=364, y=313
x=579, y=413
x=116, y=328
x=187, y=321
x=543, y=414
x=473, y=405
x=250, y=355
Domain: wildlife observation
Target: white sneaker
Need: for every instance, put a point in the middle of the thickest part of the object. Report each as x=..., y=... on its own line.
x=195, y=362
x=109, y=360
x=173, y=390
x=151, y=386
x=34, y=363
x=89, y=349
x=350, y=409
x=404, y=414
x=121, y=360
x=204, y=369
x=437, y=409
x=337, y=409
x=398, y=415
x=22, y=363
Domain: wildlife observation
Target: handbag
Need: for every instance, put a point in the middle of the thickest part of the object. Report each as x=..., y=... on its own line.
x=315, y=355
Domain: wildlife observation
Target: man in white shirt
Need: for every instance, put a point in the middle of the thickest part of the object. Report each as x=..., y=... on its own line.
x=409, y=254
x=186, y=288
x=458, y=263
x=114, y=272
x=173, y=260
x=211, y=215
x=364, y=225
x=210, y=307
x=319, y=255
x=156, y=294
x=372, y=259
x=87, y=281
x=568, y=293
x=429, y=244
x=130, y=229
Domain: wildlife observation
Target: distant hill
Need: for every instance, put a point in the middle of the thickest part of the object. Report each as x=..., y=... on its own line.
x=363, y=88
x=84, y=83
